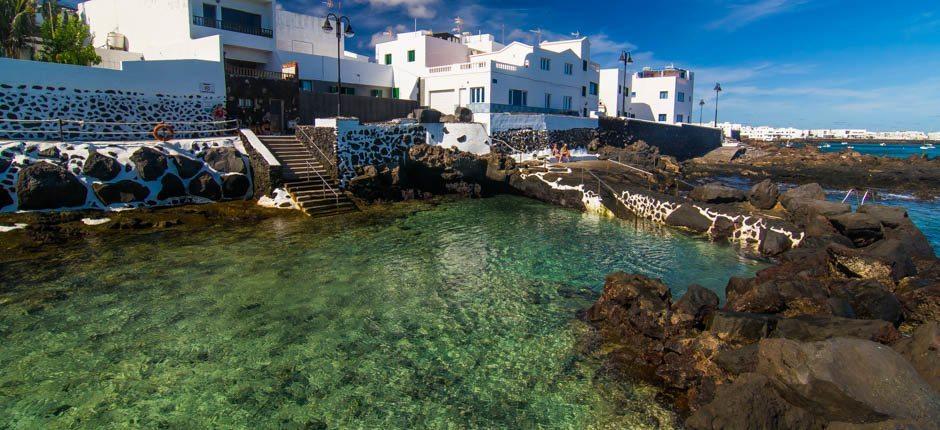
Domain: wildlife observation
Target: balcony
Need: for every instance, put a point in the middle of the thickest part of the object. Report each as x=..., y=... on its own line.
x=501, y=108
x=247, y=72
x=235, y=27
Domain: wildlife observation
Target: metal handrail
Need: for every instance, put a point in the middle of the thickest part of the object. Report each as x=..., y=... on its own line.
x=229, y=26
x=325, y=183
x=328, y=160
x=62, y=132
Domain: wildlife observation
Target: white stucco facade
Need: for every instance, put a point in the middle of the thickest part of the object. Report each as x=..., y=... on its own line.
x=654, y=95
x=476, y=72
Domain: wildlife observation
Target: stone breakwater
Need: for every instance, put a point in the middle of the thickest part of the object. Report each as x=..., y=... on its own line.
x=608, y=188
x=104, y=176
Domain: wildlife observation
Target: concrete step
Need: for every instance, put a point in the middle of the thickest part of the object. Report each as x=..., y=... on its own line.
x=326, y=206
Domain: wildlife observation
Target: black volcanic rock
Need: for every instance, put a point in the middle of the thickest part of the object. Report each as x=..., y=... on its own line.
x=121, y=192
x=187, y=167
x=48, y=186
x=235, y=186
x=690, y=218
x=225, y=160
x=205, y=186
x=101, y=167
x=150, y=163
x=861, y=228
x=5, y=199
x=717, y=193
x=171, y=187
x=764, y=195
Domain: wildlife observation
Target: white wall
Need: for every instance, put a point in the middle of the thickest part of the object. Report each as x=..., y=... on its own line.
x=498, y=122
x=611, y=97
x=475, y=138
x=648, y=102
x=322, y=68
x=303, y=34
x=173, y=77
x=147, y=24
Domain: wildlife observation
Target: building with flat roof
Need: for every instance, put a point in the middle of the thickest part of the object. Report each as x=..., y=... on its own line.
x=476, y=72
x=661, y=95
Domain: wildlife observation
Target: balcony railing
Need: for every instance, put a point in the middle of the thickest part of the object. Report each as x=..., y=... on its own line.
x=501, y=108
x=232, y=26
x=247, y=72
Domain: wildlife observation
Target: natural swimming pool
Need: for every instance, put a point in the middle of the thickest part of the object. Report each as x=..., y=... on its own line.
x=460, y=316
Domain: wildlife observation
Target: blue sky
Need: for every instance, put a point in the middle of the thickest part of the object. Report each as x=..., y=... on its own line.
x=800, y=63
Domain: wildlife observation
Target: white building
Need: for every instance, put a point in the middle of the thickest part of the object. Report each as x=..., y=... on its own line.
x=476, y=72
x=655, y=95
x=256, y=38
x=934, y=135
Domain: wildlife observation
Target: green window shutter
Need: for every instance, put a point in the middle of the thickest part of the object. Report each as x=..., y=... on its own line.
x=411, y=56
x=395, y=93
x=388, y=59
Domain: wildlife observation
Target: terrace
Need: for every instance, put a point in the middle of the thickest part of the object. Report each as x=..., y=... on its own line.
x=236, y=27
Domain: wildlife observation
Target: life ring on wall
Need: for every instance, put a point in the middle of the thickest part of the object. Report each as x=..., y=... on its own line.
x=219, y=113
x=163, y=132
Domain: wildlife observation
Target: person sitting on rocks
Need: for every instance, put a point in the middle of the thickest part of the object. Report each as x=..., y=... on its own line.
x=565, y=154
x=556, y=155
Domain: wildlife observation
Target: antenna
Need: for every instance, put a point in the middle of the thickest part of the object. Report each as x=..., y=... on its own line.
x=458, y=25
x=416, y=25
x=538, y=32
x=577, y=34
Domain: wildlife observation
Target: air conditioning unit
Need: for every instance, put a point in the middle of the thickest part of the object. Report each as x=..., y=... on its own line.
x=117, y=41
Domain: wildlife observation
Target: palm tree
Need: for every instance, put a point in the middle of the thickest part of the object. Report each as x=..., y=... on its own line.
x=17, y=25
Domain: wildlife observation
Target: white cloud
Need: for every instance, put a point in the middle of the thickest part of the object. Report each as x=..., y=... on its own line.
x=387, y=35
x=416, y=8
x=741, y=14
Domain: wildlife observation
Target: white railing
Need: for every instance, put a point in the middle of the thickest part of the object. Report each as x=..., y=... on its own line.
x=504, y=66
x=440, y=69
x=66, y=129
x=476, y=65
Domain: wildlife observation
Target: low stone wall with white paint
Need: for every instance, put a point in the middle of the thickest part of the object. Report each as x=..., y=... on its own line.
x=116, y=176
x=467, y=137
x=764, y=235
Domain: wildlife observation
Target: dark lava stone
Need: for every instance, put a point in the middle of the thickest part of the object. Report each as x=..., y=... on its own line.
x=101, y=166
x=121, y=192
x=172, y=187
x=151, y=164
x=235, y=186
x=204, y=185
x=187, y=167
x=48, y=186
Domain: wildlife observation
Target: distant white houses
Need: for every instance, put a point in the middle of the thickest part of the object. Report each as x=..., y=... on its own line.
x=765, y=133
x=934, y=135
x=662, y=95
x=476, y=72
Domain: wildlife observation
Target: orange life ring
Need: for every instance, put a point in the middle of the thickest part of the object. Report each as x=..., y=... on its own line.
x=163, y=132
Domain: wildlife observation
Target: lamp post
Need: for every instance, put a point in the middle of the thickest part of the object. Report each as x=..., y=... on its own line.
x=627, y=59
x=717, y=90
x=341, y=32
x=701, y=110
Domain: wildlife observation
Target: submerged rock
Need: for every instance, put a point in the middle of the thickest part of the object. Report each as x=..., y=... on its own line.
x=47, y=186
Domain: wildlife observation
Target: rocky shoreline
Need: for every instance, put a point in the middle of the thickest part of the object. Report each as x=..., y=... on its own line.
x=842, y=170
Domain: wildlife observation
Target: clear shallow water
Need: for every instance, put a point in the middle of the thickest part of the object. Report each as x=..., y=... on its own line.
x=889, y=150
x=458, y=317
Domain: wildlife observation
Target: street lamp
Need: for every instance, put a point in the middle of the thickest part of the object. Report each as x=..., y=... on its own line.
x=341, y=32
x=717, y=90
x=626, y=58
x=701, y=110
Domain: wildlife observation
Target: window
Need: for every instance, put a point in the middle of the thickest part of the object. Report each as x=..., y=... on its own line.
x=680, y=96
x=477, y=95
x=583, y=91
x=662, y=117
x=626, y=90
x=548, y=101
x=347, y=91
x=664, y=95
x=546, y=64
x=375, y=93
x=411, y=56
x=518, y=98
x=633, y=94
x=306, y=85
x=584, y=65
x=388, y=59
x=619, y=89
x=569, y=68
x=396, y=93
x=593, y=88
x=240, y=20
x=679, y=116
x=566, y=103
x=246, y=103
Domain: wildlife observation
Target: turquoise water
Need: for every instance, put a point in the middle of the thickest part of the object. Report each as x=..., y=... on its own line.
x=461, y=316
x=889, y=150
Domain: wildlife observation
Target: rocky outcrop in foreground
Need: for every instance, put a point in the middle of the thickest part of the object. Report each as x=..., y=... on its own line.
x=814, y=342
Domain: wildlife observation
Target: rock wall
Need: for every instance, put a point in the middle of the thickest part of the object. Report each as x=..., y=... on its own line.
x=529, y=140
x=766, y=236
x=137, y=110
x=110, y=176
x=683, y=142
x=370, y=144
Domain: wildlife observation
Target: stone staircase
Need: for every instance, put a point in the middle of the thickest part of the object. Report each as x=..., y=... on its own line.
x=305, y=178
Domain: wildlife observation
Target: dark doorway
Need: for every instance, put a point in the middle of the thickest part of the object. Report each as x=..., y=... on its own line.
x=209, y=14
